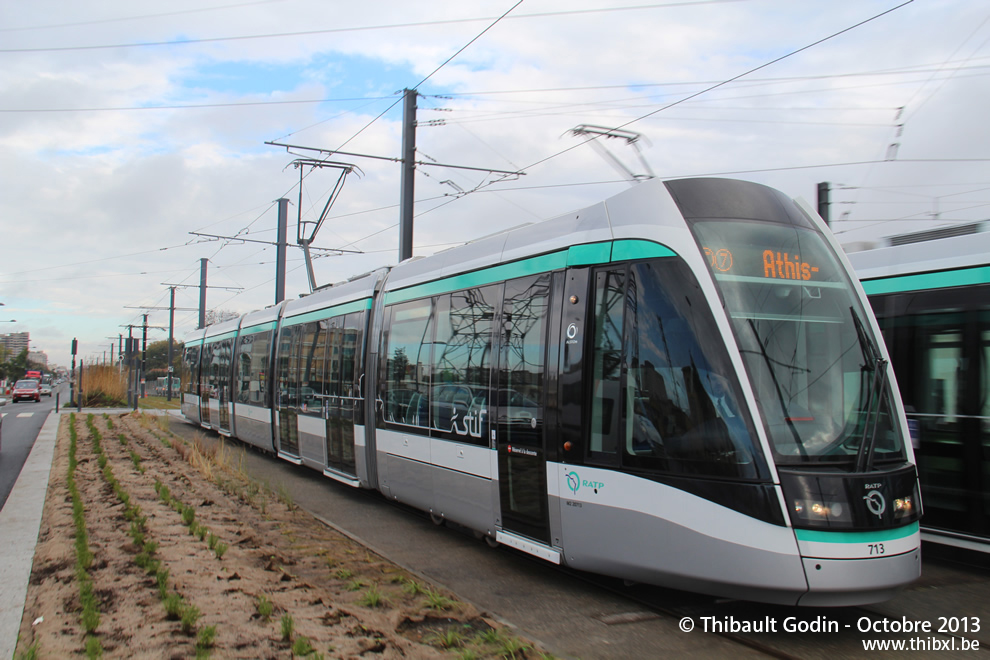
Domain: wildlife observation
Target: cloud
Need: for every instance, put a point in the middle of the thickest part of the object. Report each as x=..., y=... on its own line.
x=97, y=203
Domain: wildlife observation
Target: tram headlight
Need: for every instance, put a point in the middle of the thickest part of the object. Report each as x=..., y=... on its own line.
x=903, y=506
x=815, y=511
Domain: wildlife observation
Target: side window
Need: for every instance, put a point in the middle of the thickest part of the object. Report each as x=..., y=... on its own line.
x=406, y=356
x=190, y=368
x=312, y=356
x=220, y=371
x=522, y=380
x=664, y=395
x=462, y=363
x=606, y=365
x=352, y=355
x=286, y=368
x=205, y=370
x=252, y=368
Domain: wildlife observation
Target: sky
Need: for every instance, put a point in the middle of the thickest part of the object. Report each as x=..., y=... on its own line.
x=134, y=135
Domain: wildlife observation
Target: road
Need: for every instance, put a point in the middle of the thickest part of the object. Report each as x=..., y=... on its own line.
x=21, y=423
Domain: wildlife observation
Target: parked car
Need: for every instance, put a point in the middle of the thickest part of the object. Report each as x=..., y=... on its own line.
x=3, y=402
x=27, y=390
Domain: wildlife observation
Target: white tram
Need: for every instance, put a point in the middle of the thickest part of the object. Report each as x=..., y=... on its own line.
x=681, y=386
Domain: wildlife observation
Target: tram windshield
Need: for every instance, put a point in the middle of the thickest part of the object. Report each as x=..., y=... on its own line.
x=819, y=378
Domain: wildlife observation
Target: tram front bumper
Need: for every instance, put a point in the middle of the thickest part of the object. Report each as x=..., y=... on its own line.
x=860, y=567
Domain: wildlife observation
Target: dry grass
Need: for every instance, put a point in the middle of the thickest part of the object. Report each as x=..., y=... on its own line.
x=103, y=386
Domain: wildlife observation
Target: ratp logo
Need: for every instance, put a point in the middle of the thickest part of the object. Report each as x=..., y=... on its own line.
x=875, y=503
x=573, y=481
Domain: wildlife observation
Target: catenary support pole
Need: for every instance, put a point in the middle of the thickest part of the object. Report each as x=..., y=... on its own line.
x=408, y=175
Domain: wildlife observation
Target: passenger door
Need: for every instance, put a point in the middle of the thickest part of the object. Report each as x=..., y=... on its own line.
x=519, y=407
x=344, y=400
x=287, y=392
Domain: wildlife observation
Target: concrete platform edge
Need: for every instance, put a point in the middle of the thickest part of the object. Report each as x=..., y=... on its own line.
x=20, y=524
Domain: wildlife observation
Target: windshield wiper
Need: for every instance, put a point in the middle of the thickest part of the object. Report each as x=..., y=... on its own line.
x=876, y=363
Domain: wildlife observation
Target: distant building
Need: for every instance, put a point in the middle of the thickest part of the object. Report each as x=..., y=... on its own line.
x=15, y=342
x=38, y=357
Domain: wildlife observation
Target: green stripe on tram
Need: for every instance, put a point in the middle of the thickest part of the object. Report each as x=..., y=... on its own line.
x=329, y=312
x=923, y=281
x=226, y=335
x=589, y=254
x=879, y=536
x=255, y=329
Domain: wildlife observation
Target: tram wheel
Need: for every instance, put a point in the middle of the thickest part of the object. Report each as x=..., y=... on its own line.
x=436, y=519
x=490, y=540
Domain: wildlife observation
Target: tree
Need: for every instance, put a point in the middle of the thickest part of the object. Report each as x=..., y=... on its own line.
x=157, y=358
x=218, y=315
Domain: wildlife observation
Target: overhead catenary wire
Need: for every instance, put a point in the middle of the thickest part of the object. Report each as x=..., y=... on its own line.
x=305, y=33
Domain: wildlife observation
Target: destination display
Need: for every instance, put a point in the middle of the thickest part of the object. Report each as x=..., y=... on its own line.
x=752, y=261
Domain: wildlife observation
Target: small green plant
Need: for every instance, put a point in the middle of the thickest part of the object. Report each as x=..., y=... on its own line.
x=188, y=619
x=220, y=549
x=437, y=601
x=173, y=606
x=372, y=597
x=161, y=579
x=265, y=607
x=411, y=587
x=490, y=636
x=448, y=639
x=302, y=647
x=206, y=637
x=211, y=543
x=188, y=515
x=355, y=585
x=343, y=574
x=90, y=610
x=288, y=626
x=510, y=646
x=93, y=647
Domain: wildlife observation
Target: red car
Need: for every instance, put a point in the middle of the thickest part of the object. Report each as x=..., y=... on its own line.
x=26, y=389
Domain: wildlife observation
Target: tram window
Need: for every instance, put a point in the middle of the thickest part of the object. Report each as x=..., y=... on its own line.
x=287, y=367
x=407, y=343
x=190, y=368
x=352, y=358
x=521, y=385
x=607, y=361
x=312, y=356
x=252, y=368
x=220, y=369
x=664, y=392
x=462, y=354
x=206, y=358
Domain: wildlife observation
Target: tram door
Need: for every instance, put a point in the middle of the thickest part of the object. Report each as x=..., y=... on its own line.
x=343, y=402
x=287, y=391
x=204, y=385
x=222, y=357
x=519, y=427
